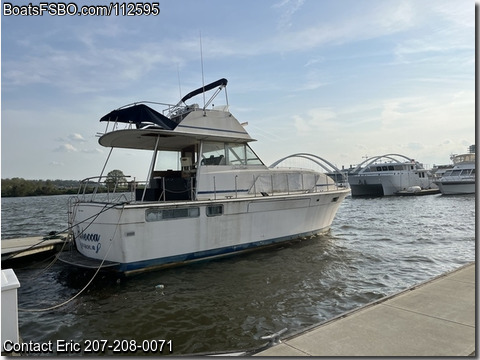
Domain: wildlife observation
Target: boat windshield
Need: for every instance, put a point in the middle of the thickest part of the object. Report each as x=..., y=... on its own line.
x=217, y=153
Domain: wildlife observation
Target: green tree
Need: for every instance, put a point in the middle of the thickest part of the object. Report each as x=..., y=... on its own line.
x=115, y=178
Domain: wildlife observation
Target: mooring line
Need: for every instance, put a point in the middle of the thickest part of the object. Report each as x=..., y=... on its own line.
x=90, y=281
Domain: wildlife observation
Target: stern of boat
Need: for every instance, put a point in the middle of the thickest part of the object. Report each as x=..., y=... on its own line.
x=95, y=229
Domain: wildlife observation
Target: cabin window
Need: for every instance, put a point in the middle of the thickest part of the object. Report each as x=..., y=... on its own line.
x=473, y=172
x=168, y=214
x=235, y=154
x=213, y=153
x=215, y=210
x=252, y=158
x=390, y=167
x=216, y=153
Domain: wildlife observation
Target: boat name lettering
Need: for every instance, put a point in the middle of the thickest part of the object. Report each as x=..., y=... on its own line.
x=91, y=247
x=90, y=237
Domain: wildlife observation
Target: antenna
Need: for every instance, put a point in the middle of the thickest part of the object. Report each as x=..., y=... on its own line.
x=203, y=79
x=179, y=85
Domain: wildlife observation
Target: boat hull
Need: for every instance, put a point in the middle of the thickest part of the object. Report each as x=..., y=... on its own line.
x=386, y=184
x=140, y=237
x=457, y=188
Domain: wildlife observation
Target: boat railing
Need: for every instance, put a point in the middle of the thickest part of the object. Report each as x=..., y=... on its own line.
x=113, y=188
x=116, y=189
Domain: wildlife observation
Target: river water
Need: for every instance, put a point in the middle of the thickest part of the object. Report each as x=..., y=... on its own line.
x=376, y=247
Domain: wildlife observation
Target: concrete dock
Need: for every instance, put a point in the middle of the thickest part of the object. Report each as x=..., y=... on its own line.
x=435, y=318
x=22, y=247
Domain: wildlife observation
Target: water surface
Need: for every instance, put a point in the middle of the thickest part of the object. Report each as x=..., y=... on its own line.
x=376, y=247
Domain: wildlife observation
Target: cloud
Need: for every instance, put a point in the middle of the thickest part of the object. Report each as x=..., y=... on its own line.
x=56, y=163
x=315, y=60
x=92, y=151
x=83, y=69
x=415, y=146
x=65, y=148
x=69, y=148
x=76, y=137
x=314, y=120
x=287, y=8
x=96, y=61
x=384, y=19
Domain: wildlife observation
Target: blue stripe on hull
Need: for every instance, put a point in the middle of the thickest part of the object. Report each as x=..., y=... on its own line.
x=147, y=265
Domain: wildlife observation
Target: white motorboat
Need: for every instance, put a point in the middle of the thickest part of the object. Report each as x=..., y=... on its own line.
x=221, y=200
x=461, y=178
x=390, y=174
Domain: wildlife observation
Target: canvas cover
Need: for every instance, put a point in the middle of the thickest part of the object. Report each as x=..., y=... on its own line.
x=140, y=115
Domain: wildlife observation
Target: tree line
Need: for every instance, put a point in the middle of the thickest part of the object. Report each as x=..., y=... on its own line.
x=16, y=187
x=21, y=187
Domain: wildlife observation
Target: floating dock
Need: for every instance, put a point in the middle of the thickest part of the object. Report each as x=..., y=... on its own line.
x=435, y=318
x=15, y=249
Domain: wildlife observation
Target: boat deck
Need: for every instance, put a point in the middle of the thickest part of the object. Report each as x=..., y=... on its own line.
x=76, y=259
x=436, y=318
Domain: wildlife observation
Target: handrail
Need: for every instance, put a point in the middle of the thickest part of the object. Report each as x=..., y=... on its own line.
x=82, y=190
x=265, y=183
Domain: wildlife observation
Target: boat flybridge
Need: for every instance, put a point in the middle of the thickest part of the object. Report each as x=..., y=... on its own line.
x=220, y=200
x=390, y=174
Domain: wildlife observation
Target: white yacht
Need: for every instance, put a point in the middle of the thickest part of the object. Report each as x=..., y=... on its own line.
x=221, y=200
x=461, y=178
x=390, y=174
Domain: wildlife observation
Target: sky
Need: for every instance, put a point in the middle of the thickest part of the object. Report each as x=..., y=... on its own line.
x=341, y=79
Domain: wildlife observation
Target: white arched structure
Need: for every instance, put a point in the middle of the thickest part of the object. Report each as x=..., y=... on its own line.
x=330, y=169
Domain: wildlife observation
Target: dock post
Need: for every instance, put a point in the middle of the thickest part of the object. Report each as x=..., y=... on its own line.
x=9, y=307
